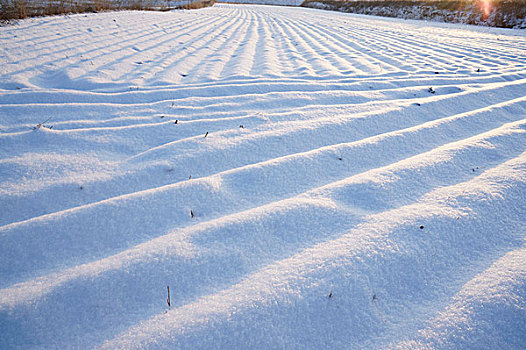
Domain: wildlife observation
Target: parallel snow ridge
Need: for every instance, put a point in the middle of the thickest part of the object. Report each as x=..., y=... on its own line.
x=298, y=178
x=480, y=314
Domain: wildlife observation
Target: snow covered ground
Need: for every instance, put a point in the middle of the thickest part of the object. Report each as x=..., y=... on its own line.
x=269, y=2
x=298, y=178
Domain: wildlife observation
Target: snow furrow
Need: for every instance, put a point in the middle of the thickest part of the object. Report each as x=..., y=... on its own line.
x=494, y=299
x=334, y=141
x=305, y=278
x=298, y=178
x=176, y=251
x=450, y=158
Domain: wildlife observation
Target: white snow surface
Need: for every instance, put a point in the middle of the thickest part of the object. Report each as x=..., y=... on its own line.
x=355, y=182
x=268, y=2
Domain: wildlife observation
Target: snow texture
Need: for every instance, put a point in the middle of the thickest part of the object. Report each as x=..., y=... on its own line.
x=300, y=179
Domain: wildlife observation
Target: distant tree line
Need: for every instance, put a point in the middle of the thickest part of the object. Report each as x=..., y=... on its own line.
x=17, y=9
x=495, y=13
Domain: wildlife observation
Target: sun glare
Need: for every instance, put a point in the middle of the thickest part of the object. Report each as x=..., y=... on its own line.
x=486, y=7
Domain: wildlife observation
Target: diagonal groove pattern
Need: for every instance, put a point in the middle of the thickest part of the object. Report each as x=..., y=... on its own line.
x=256, y=159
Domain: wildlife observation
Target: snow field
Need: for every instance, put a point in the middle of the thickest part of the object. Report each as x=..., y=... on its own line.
x=259, y=160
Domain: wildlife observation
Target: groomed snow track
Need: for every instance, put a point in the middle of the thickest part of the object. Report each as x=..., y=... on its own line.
x=299, y=178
